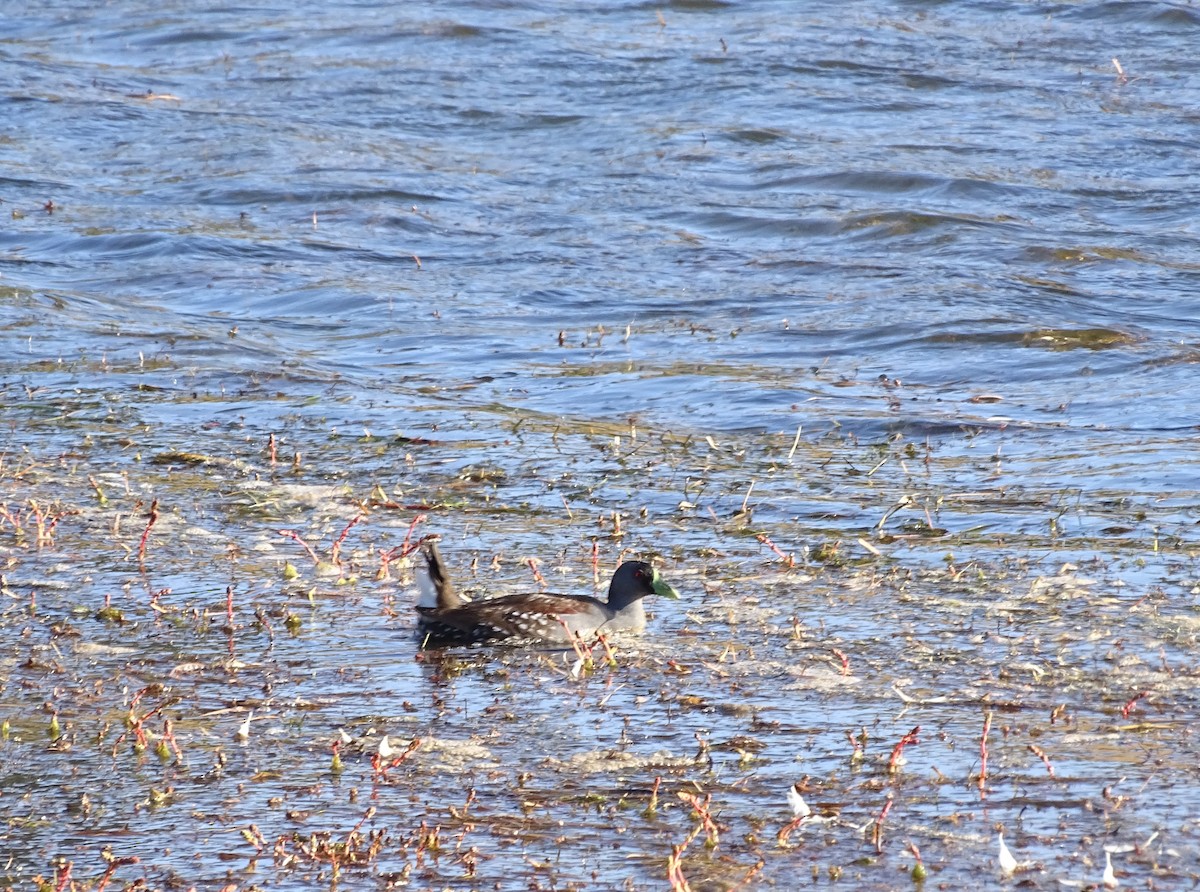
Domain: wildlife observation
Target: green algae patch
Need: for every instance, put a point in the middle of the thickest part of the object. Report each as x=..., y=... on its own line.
x=1077, y=339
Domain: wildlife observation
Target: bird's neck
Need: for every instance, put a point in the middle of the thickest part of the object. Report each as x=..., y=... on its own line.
x=626, y=605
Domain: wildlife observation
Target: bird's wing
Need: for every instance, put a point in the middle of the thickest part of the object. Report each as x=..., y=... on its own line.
x=536, y=617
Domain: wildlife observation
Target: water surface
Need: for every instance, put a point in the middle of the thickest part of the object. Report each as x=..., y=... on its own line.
x=518, y=267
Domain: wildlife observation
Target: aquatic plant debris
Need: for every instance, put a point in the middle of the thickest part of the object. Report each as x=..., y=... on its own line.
x=905, y=418
x=1037, y=643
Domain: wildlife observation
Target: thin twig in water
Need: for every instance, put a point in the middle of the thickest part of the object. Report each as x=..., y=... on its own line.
x=795, y=443
x=983, y=753
x=746, y=500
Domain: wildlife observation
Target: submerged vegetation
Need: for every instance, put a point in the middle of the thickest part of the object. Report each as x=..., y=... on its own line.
x=874, y=328
x=887, y=653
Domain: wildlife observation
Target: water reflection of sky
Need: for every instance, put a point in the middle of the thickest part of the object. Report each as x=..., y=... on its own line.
x=951, y=245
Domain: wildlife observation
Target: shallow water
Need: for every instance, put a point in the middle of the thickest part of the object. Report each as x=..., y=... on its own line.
x=876, y=324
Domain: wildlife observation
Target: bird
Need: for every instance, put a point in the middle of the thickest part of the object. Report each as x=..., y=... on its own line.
x=445, y=619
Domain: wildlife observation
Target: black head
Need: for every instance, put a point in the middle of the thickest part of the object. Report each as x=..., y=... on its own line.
x=634, y=580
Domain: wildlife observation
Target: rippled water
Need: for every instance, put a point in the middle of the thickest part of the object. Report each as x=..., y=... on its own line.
x=955, y=239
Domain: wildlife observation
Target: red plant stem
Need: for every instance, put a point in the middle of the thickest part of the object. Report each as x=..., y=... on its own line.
x=366, y=817
x=675, y=875
x=537, y=574
x=408, y=549
x=39, y=520
x=750, y=874
x=983, y=753
x=229, y=606
x=14, y=522
x=652, y=805
x=1041, y=754
x=878, y=829
x=146, y=533
x=702, y=812
x=64, y=877
x=138, y=731
x=113, y=864
x=791, y=826
x=271, y=450
x=385, y=562
x=786, y=558
x=292, y=534
x=403, y=757
x=1128, y=707
x=595, y=562
x=54, y=523
x=169, y=736
x=845, y=660
x=609, y=656
x=854, y=742
x=577, y=643
x=883, y=813
x=404, y=549
x=337, y=544
x=906, y=740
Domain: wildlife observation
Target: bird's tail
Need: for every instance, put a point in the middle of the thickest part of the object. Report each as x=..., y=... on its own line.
x=436, y=588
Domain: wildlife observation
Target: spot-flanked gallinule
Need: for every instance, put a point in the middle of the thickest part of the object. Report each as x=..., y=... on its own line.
x=446, y=620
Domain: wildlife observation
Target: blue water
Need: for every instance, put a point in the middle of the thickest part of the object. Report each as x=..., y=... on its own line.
x=910, y=186
x=966, y=227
